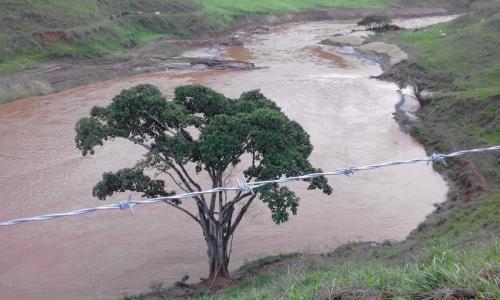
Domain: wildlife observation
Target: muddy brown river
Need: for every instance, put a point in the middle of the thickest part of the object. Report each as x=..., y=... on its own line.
x=105, y=254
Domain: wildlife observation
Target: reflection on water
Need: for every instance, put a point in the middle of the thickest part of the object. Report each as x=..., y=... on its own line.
x=335, y=59
x=238, y=53
x=102, y=255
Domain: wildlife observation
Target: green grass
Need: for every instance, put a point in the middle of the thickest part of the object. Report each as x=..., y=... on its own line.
x=465, y=54
x=255, y=264
x=440, y=268
x=234, y=8
x=459, y=249
x=94, y=28
x=91, y=28
x=468, y=53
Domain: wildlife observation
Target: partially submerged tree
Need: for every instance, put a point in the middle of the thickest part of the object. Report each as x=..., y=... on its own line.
x=204, y=131
x=375, y=21
x=468, y=3
x=414, y=76
x=419, y=78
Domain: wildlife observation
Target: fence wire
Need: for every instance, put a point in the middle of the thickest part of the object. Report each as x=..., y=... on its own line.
x=245, y=186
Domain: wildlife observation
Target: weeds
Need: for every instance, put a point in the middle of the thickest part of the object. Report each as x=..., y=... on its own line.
x=440, y=269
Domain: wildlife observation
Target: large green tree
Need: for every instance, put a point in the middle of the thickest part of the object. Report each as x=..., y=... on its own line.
x=204, y=131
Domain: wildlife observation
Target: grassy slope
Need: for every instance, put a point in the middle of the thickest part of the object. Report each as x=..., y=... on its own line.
x=439, y=269
x=234, y=8
x=91, y=28
x=94, y=28
x=459, y=246
x=469, y=56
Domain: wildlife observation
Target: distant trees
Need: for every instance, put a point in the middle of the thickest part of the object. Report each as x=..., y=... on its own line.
x=468, y=3
x=202, y=131
x=373, y=22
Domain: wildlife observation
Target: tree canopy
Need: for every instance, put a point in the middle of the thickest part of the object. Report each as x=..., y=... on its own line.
x=201, y=130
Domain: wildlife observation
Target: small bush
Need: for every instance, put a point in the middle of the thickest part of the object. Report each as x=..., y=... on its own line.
x=375, y=21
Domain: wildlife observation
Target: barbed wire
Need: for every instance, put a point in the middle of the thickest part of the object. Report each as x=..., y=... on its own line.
x=245, y=186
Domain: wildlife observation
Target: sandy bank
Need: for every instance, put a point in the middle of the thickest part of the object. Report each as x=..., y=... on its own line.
x=395, y=54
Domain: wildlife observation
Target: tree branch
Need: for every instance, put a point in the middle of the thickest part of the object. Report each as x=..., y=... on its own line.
x=201, y=200
x=237, y=199
x=189, y=177
x=139, y=143
x=213, y=197
x=175, y=180
x=184, y=210
x=164, y=126
x=240, y=215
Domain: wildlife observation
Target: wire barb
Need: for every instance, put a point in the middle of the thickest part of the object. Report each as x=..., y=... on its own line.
x=245, y=186
x=127, y=205
x=437, y=158
x=349, y=171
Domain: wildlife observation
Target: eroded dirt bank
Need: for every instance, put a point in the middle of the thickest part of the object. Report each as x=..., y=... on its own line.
x=61, y=75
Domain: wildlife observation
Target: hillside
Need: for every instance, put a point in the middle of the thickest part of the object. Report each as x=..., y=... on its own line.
x=461, y=63
x=35, y=30
x=32, y=31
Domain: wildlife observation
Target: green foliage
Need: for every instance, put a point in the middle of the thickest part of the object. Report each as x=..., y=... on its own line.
x=441, y=269
x=129, y=180
x=226, y=129
x=89, y=134
x=464, y=50
x=34, y=30
x=459, y=62
x=254, y=265
x=235, y=8
x=279, y=200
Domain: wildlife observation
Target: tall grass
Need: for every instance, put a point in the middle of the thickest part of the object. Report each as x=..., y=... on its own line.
x=232, y=8
x=440, y=269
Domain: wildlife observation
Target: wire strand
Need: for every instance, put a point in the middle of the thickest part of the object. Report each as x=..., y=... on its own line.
x=128, y=205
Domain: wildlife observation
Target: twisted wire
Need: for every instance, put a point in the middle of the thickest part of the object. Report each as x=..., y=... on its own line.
x=242, y=186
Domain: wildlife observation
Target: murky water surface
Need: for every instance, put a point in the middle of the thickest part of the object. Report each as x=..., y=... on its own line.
x=102, y=255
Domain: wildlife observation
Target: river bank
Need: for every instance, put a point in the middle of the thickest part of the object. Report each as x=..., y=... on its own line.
x=162, y=55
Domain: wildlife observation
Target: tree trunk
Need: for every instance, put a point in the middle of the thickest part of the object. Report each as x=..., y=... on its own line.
x=218, y=258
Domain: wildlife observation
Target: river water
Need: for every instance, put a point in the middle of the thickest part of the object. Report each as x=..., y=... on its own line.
x=104, y=254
